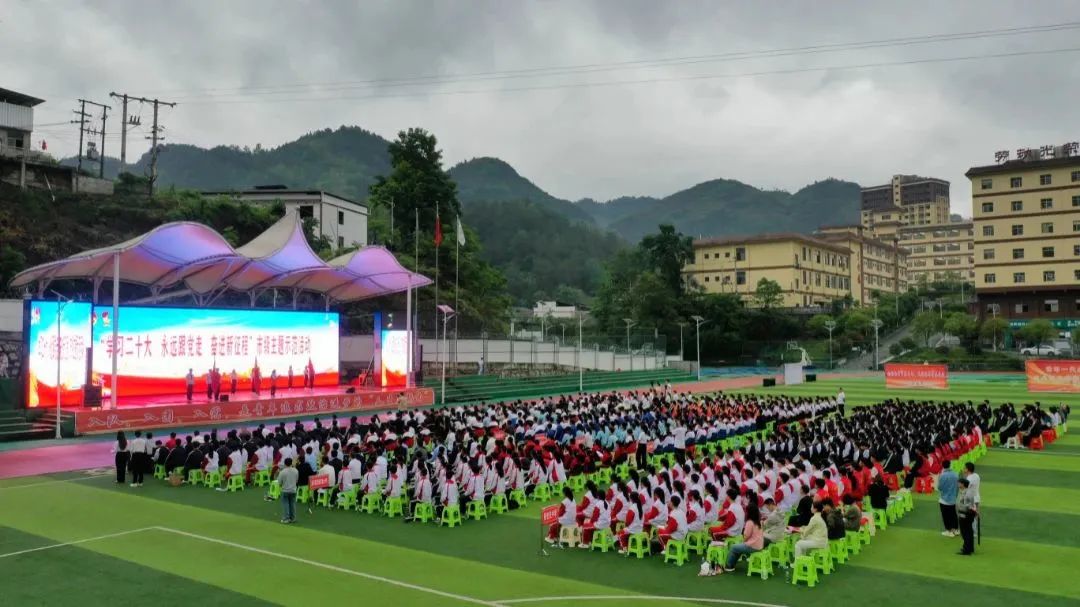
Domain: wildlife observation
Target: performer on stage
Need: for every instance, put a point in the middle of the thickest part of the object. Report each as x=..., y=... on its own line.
x=273, y=382
x=290, y=377
x=256, y=378
x=216, y=376
x=209, y=384
x=232, y=382
x=189, y=380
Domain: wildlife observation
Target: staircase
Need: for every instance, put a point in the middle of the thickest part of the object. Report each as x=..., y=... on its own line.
x=16, y=424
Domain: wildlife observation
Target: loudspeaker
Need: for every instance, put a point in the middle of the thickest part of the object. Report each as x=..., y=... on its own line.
x=224, y=398
x=350, y=390
x=768, y=382
x=811, y=377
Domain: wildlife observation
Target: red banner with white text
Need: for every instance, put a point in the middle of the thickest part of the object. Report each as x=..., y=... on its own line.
x=183, y=415
x=1053, y=375
x=904, y=375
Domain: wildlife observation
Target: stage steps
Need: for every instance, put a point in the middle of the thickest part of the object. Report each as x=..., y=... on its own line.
x=18, y=424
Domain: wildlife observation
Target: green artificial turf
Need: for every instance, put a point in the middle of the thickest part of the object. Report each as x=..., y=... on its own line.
x=195, y=546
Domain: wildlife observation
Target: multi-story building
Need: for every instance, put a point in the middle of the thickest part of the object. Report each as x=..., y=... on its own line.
x=908, y=200
x=16, y=122
x=939, y=252
x=1027, y=236
x=810, y=271
x=342, y=221
x=876, y=265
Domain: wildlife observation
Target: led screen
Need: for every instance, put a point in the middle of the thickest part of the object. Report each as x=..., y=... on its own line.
x=157, y=346
x=42, y=352
x=395, y=356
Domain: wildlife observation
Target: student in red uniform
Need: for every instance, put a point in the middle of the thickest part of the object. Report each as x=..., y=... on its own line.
x=676, y=527
x=632, y=522
x=567, y=515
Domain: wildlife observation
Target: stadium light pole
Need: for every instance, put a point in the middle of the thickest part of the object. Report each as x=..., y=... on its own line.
x=681, y=323
x=447, y=313
x=876, y=323
x=629, y=323
x=698, y=320
x=580, y=364
x=830, y=326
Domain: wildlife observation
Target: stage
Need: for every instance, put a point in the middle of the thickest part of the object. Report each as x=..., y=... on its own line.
x=173, y=411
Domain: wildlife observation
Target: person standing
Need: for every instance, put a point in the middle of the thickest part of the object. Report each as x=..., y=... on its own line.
x=968, y=512
x=123, y=456
x=232, y=382
x=140, y=458
x=273, y=382
x=216, y=378
x=947, y=489
x=189, y=381
x=290, y=377
x=841, y=400
x=288, y=478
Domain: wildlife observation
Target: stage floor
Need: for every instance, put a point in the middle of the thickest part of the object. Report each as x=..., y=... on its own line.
x=171, y=400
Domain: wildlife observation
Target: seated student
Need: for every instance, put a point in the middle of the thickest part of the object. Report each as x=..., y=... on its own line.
x=422, y=491
x=676, y=527
x=657, y=514
x=356, y=467
x=600, y=520
x=632, y=521
x=395, y=484
x=328, y=471
x=237, y=462
x=567, y=515
x=344, y=486
x=879, y=494
x=774, y=526
x=732, y=517
x=834, y=522
x=852, y=514
x=814, y=534
x=753, y=537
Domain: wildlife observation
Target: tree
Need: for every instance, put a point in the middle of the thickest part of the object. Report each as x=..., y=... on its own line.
x=926, y=325
x=768, y=294
x=1076, y=338
x=993, y=329
x=907, y=343
x=856, y=325
x=817, y=325
x=962, y=326
x=1038, y=331
x=669, y=251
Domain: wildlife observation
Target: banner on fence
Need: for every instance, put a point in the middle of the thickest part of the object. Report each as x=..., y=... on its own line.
x=902, y=375
x=1053, y=375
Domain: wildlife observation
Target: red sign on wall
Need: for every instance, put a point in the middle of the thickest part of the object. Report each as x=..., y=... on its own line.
x=174, y=416
x=902, y=375
x=549, y=515
x=320, y=481
x=1053, y=375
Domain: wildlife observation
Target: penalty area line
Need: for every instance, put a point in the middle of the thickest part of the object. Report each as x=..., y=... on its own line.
x=633, y=597
x=76, y=542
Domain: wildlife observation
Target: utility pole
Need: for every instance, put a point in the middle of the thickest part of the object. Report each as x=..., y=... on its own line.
x=84, y=130
x=101, y=152
x=153, y=134
x=124, y=122
x=81, y=113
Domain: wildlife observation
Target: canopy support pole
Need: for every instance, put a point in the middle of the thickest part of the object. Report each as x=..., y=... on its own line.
x=408, y=336
x=115, y=326
x=295, y=293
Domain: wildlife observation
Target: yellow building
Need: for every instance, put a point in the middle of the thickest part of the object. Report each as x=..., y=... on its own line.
x=1027, y=236
x=939, y=252
x=907, y=200
x=810, y=271
x=876, y=265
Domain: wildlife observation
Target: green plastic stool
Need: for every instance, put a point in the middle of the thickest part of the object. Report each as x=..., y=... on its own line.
x=638, y=545
x=697, y=541
x=451, y=516
x=893, y=511
x=908, y=501
x=475, y=510
x=881, y=519
x=519, y=498
x=262, y=478
x=394, y=506
x=195, y=476
x=864, y=535
x=823, y=560
x=212, y=479
x=853, y=542
x=159, y=471
x=347, y=500
x=303, y=494
x=780, y=552
x=759, y=562
x=804, y=571
x=542, y=492
x=236, y=483
x=498, y=504
x=675, y=551
x=603, y=540
x=274, y=492
x=838, y=550
x=423, y=512
x=556, y=488
x=577, y=483
x=370, y=503
x=322, y=498
x=716, y=554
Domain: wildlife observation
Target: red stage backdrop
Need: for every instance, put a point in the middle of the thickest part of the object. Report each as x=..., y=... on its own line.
x=1053, y=375
x=174, y=416
x=903, y=375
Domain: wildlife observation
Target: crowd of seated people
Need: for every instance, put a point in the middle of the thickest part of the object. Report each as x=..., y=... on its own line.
x=1017, y=429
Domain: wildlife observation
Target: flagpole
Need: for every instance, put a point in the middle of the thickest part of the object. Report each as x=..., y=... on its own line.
x=457, y=308
x=435, y=308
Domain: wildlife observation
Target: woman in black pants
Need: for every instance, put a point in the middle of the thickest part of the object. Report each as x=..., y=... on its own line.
x=123, y=456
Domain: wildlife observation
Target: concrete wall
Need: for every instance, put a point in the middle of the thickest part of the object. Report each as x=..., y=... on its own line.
x=93, y=185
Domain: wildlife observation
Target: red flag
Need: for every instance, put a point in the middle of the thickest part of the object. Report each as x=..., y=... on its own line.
x=438, y=230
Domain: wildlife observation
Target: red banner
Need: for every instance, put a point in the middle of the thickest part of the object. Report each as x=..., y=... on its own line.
x=183, y=415
x=320, y=481
x=549, y=515
x=1053, y=375
x=904, y=375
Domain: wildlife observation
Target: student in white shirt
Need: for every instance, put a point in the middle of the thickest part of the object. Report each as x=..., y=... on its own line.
x=567, y=515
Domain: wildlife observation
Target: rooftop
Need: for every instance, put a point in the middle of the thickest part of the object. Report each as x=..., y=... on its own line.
x=17, y=98
x=269, y=191
x=1013, y=166
x=767, y=238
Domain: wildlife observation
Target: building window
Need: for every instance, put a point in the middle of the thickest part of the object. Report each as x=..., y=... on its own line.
x=1048, y=251
x=1017, y=230
x=1016, y=182
x=987, y=207
x=706, y=279
x=740, y=253
x=989, y=278
x=1050, y=305
x=307, y=211
x=1020, y=308
x=1076, y=250
x=988, y=253
x=341, y=218
x=1048, y=227
x=989, y=183
x=988, y=230
x=740, y=277
x=1049, y=276
x=1018, y=277
x=804, y=253
x=1018, y=253
x=1044, y=179
x=1076, y=201
x=1076, y=225
x=341, y=242
x=1046, y=203
x=1076, y=276
x=1018, y=205
x=1075, y=176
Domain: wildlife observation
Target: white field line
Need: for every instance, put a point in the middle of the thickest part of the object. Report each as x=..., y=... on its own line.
x=44, y=483
x=633, y=597
x=76, y=542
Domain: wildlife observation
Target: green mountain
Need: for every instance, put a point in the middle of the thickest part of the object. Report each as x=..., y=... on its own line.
x=493, y=180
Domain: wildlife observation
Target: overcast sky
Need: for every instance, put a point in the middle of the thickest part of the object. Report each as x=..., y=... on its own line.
x=242, y=73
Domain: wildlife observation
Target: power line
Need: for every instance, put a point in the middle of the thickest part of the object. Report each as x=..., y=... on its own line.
x=625, y=65
x=577, y=85
x=83, y=129
x=155, y=133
